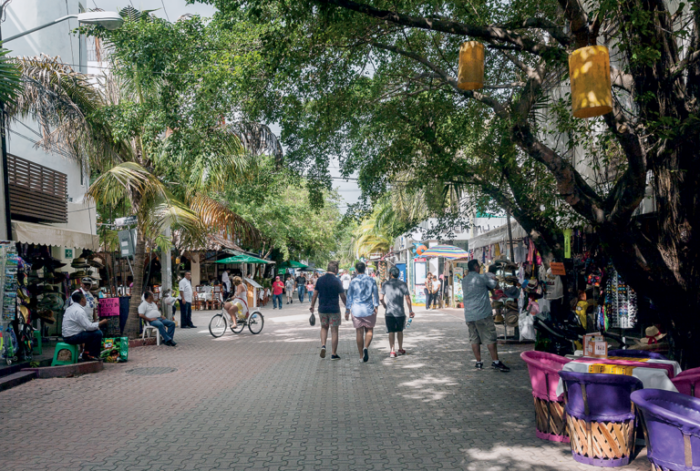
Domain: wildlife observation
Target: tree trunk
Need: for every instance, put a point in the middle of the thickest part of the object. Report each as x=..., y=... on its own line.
x=132, y=327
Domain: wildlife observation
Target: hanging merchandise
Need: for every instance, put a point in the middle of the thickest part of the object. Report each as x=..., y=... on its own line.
x=471, y=66
x=621, y=301
x=9, y=263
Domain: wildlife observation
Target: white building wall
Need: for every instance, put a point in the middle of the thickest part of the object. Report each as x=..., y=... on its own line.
x=54, y=41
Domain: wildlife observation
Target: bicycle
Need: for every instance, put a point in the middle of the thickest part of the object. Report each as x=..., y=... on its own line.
x=218, y=325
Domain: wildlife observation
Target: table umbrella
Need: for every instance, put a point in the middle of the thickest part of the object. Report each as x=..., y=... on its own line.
x=243, y=259
x=292, y=264
x=445, y=251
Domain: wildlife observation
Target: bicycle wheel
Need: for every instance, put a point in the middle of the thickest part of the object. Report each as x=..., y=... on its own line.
x=218, y=325
x=256, y=322
x=239, y=328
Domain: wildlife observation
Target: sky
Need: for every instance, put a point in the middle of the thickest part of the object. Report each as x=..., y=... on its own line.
x=172, y=10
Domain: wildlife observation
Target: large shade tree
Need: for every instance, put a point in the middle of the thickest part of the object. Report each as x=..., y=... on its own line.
x=315, y=46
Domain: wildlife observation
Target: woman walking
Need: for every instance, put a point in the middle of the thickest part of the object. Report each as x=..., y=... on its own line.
x=428, y=291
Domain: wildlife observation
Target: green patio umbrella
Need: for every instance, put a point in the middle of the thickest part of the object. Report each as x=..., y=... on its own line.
x=292, y=264
x=243, y=259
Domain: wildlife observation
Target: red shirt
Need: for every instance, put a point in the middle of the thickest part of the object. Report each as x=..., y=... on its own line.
x=277, y=287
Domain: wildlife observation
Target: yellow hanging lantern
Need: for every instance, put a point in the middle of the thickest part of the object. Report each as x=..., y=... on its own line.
x=591, y=88
x=471, y=66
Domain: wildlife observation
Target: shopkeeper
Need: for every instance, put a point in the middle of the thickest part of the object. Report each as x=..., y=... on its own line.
x=77, y=328
x=91, y=303
x=555, y=294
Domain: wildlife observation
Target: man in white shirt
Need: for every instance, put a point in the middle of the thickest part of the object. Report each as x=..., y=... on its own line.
x=78, y=329
x=85, y=286
x=346, y=279
x=226, y=280
x=185, y=287
x=148, y=311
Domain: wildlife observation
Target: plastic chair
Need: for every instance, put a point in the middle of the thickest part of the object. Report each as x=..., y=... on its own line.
x=65, y=354
x=601, y=417
x=636, y=354
x=544, y=371
x=671, y=428
x=688, y=384
x=148, y=328
x=691, y=371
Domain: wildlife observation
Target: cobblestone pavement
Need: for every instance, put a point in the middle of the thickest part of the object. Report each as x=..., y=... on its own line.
x=268, y=402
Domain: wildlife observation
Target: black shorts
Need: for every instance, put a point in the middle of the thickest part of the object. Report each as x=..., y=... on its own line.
x=395, y=324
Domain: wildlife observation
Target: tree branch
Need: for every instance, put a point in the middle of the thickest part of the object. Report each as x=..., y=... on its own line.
x=540, y=23
x=490, y=32
x=498, y=108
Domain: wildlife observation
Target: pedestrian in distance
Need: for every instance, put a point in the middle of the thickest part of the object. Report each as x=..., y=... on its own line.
x=277, y=290
x=289, y=289
x=148, y=311
x=437, y=287
x=310, y=288
x=428, y=291
x=346, y=279
x=478, y=316
x=300, y=284
x=363, y=301
x=185, y=287
x=394, y=293
x=327, y=290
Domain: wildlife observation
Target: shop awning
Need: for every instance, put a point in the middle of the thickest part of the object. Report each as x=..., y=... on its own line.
x=445, y=251
x=40, y=234
x=243, y=259
x=500, y=234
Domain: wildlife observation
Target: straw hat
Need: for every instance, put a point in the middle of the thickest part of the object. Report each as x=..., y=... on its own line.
x=653, y=335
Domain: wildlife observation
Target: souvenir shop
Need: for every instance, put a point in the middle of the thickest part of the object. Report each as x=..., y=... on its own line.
x=596, y=293
x=36, y=283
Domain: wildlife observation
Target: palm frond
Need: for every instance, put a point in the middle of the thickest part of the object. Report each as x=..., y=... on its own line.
x=10, y=78
x=64, y=104
x=127, y=180
x=217, y=215
x=257, y=139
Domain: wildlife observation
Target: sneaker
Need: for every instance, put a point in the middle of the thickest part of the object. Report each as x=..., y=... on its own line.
x=323, y=351
x=365, y=355
x=401, y=351
x=335, y=357
x=193, y=327
x=392, y=355
x=479, y=365
x=498, y=365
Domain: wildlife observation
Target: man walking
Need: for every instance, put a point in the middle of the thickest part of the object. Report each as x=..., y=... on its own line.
x=346, y=279
x=328, y=288
x=362, y=301
x=394, y=292
x=185, y=287
x=289, y=288
x=301, y=286
x=277, y=288
x=477, y=314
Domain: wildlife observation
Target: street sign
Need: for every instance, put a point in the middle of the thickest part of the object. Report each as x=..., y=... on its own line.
x=127, y=221
x=69, y=253
x=126, y=243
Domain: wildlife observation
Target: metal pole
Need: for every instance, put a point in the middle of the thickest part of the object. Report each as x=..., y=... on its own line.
x=510, y=236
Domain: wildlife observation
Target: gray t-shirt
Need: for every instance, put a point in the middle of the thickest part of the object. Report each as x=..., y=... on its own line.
x=394, y=291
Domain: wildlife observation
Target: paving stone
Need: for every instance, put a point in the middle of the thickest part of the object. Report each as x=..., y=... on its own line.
x=269, y=402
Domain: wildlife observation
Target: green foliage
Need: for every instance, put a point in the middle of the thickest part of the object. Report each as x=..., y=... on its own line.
x=10, y=84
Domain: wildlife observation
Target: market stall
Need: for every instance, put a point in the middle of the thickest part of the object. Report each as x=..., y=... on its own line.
x=253, y=288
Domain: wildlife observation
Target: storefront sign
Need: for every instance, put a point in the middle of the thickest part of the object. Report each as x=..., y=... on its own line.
x=69, y=253
x=109, y=307
x=567, y=243
x=558, y=268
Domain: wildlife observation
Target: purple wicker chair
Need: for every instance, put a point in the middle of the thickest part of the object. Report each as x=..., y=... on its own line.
x=688, y=384
x=544, y=371
x=600, y=417
x=672, y=429
x=636, y=354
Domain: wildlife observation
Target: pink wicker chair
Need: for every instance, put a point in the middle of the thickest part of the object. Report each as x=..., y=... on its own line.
x=688, y=384
x=544, y=371
x=691, y=371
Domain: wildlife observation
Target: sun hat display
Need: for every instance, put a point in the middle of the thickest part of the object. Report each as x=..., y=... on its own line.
x=653, y=335
x=87, y=280
x=46, y=315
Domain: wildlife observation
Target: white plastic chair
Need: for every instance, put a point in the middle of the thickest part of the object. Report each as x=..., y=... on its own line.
x=149, y=328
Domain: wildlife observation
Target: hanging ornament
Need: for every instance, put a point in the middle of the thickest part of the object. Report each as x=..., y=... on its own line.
x=421, y=249
x=591, y=88
x=471, y=66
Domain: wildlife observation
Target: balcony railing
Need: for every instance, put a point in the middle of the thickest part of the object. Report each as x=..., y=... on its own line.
x=37, y=193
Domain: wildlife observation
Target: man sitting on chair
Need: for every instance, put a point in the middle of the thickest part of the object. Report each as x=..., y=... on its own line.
x=78, y=329
x=148, y=311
